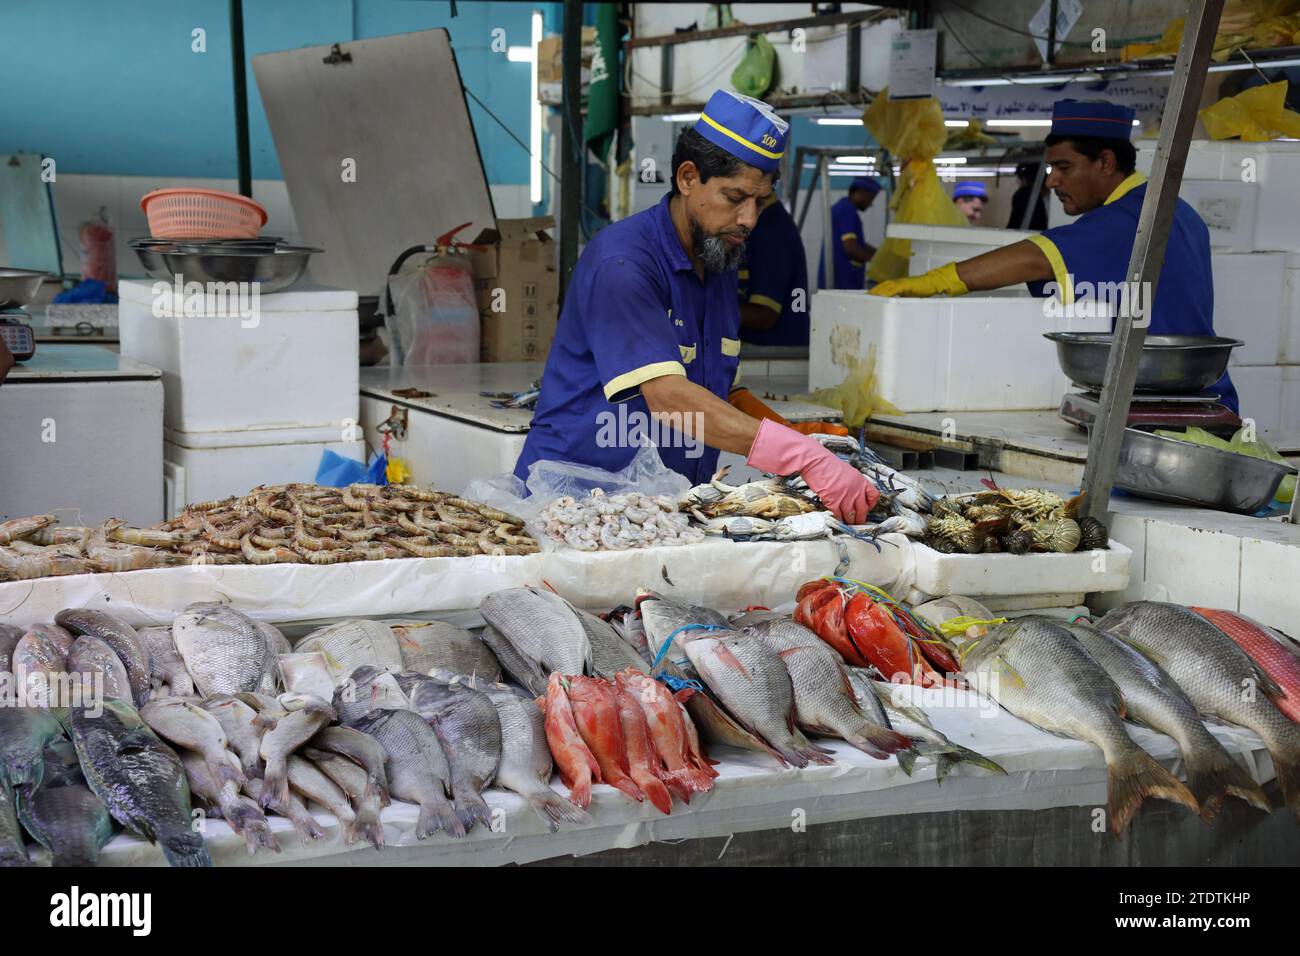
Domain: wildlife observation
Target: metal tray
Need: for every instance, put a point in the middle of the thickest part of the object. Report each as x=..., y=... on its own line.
x=274, y=270
x=18, y=286
x=1167, y=469
x=1169, y=363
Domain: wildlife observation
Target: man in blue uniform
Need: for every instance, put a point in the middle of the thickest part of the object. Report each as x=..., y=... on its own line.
x=969, y=197
x=1092, y=172
x=850, y=252
x=774, y=280
x=650, y=331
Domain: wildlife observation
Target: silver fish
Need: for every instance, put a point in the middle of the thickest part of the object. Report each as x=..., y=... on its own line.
x=1217, y=676
x=243, y=732
x=366, y=690
x=352, y=780
x=610, y=653
x=360, y=749
x=243, y=815
x=223, y=650
x=417, y=768
x=90, y=657
x=183, y=723
x=289, y=733
x=308, y=780
x=1037, y=670
x=541, y=626
x=61, y=637
x=121, y=637
x=666, y=620
x=166, y=666
x=523, y=671
x=40, y=668
x=427, y=645
x=348, y=645
x=292, y=809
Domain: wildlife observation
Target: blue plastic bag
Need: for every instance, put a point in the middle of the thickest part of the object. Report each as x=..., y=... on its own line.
x=335, y=471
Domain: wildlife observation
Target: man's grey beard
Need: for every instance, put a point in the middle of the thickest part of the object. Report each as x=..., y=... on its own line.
x=714, y=253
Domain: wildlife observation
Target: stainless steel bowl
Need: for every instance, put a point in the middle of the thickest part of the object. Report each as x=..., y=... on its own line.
x=1170, y=364
x=1167, y=469
x=273, y=270
x=18, y=286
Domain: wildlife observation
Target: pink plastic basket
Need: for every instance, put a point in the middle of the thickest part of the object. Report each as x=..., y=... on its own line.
x=202, y=214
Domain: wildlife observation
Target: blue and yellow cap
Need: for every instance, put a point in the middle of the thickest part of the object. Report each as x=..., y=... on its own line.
x=869, y=183
x=1092, y=118
x=747, y=128
x=970, y=189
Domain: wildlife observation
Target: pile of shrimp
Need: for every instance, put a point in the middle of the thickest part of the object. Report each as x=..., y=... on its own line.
x=275, y=524
x=603, y=522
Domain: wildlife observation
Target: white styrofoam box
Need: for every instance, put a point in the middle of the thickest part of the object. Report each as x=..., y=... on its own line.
x=1291, y=311
x=220, y=471
x=1269, y=572
x=934, y=246
x=1248, y=293
x=1130, y=531
x=1019, y=574
x=294, y=365
x=969, y=353
x=1259, y=391
x=1290, y=423
x=1191, y=565
x=1229, y=210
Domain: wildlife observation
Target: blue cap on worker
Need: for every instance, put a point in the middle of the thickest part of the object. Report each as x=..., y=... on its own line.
x=1092, y=118
x=747, y=128
x=869, y=183
x=970, y=189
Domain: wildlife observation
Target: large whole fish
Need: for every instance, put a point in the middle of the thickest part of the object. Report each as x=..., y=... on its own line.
x=667, y=620
x=1217, y=676
x=24, y=733
x=437, y=645
x=166, y=667
x=522, y=671
x=120, y=636
x=312, y=783
x=243, y=815
x=542, y=627
x=610, y=652
x=243, y=732
x=361, y=749
x=1276, y=656
x=184, y=724
x=1154, y=700
x=352, y=780
x=575, y=761
x=223, y=650
x=644, y=763
x=526, y=762
x=94, y=661
x=824, y=701
x=348, y=645
x=670, y=732
x=139, y=778
x=417, y=768
x=595, y=711
x=1037, y=670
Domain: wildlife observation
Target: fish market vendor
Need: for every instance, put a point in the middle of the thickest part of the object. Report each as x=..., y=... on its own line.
x=850, y=252
x=774, y=297
x=648, y=343
x=1092, y=171
x=970, y=198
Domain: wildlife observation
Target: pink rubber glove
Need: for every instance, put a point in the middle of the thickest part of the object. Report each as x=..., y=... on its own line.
x=841, y=487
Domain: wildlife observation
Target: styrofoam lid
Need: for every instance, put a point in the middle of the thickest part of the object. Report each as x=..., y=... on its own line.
x=304, y=296
x=294, y=435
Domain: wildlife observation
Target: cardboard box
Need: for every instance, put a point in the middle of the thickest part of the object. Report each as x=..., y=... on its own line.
x=517, y=287
x=550, y=55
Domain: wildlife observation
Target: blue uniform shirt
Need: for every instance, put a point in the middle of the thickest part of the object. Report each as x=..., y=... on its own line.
x=1095, y=248
x=775, y=275
x=635, y=310
x=846, y=223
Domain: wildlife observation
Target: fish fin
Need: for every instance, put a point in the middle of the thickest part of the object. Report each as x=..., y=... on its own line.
x=626, y=785
x=227, y=772
x=471, y=808
x=440, y=816
x=1145, y=650
x=580, y=793
x=306, y=825
x=907, y=760
x=185, y=849
x=1136, y=776
x=257, y=835
x=1287, y=768
x=370, y=828
x=1211, y=784
x=655, y=792
x=960, y=754
x=554, y=809
x=877, y=741
x=377, y=789
x=275, y=783
x=1009, y=672
x=733, y=662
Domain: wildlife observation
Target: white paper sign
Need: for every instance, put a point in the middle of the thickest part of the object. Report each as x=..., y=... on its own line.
x=1067, y=15
x=911, y=64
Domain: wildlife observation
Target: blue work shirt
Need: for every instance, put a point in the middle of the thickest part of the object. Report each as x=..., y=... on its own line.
x=635, y=310
x=775, y=276
x=846, y=223
x=1096, y=247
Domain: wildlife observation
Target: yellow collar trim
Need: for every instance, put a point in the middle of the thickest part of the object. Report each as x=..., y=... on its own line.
x=740, y=139
x=1133, y=181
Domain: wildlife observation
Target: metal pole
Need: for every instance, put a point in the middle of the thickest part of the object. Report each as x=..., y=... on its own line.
x=1035, y=192
x=242, y=153
x=828, y=258
x=1154, y=222
x=812, y=190
x=792, y=191
x=571, y=145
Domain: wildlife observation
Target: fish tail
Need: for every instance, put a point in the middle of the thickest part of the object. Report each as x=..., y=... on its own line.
x=907, y=759
x=655, y=791
x=224, y=772
x=376, y=789
x=306, y=826
x=627, y=785
x=679, y=783
x=1287, y=767
x=438, y=816
x=805, y=750
x=371, y=830
x=877, y=741
x=185, y=849
x=554, y=809
x=580, y=793
x=275, y=782
x=1211, y=781
x=958, y=754
x=1136, y=776
x=252, y=768
x=351, y=829
x=471, y=808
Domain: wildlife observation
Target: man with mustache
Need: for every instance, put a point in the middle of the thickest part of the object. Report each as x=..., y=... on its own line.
x=1092, y=167
x=651, y=319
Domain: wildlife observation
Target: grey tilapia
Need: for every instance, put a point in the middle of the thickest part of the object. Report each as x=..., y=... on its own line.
x=755, y=687
x=223, y=650
x=467, y=726
x=308, y=780
x=24, y=734
x=824, y=701
x=292, y=809
x=361, y=749
x=39, y=667
x=610, y=652
x=242, y=729
x=139, y=778
x=417, y=768
x=243, y=815
x=352, y=780
x=1037, y=670
x=289, y=733
x=91, y=659
x=166, y=666
x=182, y=723
x=431, y=645
x=521, y=670
x=366, y=690
x=525, y=756
x=348, y=645
x=61, y=637
x=1217, y=676
x=13, y=848
x=121, y=637
x=541, y=626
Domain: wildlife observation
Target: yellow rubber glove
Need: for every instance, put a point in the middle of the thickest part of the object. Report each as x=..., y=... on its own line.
x=941, y=281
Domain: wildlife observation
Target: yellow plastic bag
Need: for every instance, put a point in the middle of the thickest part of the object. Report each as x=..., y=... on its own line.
x=858, y=396
x=1245, y=24
x=1256, y=115
x=913, y=131
x=1241, y=444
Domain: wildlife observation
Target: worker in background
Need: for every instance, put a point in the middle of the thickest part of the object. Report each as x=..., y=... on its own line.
x=851, y=252
x=1026, y=173
x=1092, y=165
x=774, y=280
x=970, y=197
x=650, y=327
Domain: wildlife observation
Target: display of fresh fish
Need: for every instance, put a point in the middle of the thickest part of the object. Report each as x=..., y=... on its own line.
x=348, y=645
x=950, y=606
x=610, y=653
x=1038, y=671
x=292, y=809
x=276, y=642
x=120, y=636
x=182, y=723
x=243, y=815
x=289, y=733
x=311, y=782
x=667, y=724
x=824, y=701
x=645, y=766
x=39, y=668
x=541, y=626
x=306, y=674
x=434, y=645
x=139, y=778
x=223, y=650
x=573, y=758
x=521, y=670
x=243, y=732
x=1216, y=675
x=666, y=620
x=166, y=667
x=13, y=848
x=1154, y=700
x=352, y=780
x=595, y=712
x=366, y=690
x=1275, y=655
x=24, y=733
x=417, y=768
x=361, y=749
x=526, y=761
x=93, y=660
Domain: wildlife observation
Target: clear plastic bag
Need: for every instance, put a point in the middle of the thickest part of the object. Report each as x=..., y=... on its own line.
x=435, y=320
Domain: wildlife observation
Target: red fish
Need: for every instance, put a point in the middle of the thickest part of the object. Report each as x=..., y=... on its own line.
x=879, y=638
x=578, y=767
x=1277, y=658
x=822, y=612
x=667, y=726
x=644, y=763
x=595, y=711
